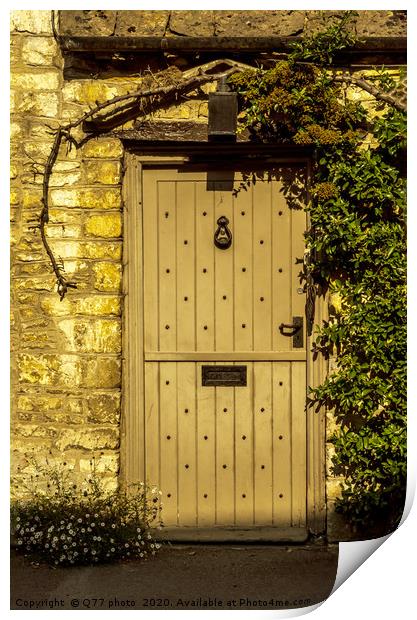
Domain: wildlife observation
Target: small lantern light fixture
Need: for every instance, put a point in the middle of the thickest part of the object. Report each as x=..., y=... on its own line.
x=222, y=113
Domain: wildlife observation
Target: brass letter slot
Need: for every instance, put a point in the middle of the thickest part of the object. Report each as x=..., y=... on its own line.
x=227, y=376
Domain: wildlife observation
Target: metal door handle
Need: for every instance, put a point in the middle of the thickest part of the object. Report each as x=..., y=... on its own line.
x=294, y=326
x=296, y=332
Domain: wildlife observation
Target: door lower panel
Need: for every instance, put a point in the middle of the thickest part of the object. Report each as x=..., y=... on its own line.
x=227, y=456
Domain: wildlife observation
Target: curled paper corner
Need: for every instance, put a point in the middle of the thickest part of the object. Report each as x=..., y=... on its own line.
x=353, y=554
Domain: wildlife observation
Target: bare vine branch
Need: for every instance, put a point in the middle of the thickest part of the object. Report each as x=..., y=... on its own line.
x=372, y=90
x=133, y=100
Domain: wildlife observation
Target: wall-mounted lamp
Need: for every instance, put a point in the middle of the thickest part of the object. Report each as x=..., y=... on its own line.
x=222, y=113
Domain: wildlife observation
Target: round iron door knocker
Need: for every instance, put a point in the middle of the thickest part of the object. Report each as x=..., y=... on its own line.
x=222, y=236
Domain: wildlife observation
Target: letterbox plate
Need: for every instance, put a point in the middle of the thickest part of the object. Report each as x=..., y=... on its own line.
x=226, y=376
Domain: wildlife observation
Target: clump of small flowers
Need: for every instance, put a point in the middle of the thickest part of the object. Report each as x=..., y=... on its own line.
x=71, y=526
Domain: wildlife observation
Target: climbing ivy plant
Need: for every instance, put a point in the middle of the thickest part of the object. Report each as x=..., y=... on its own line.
x=357, y=250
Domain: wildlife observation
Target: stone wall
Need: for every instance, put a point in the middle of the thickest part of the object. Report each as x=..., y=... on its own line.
x=66, y=355
x=224, y=23
x=66, y=364
x=66, y=360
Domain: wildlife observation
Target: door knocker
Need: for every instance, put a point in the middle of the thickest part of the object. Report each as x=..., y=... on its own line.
x=222, y=236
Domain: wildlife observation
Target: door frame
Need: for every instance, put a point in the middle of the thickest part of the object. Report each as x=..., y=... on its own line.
x=136, y=158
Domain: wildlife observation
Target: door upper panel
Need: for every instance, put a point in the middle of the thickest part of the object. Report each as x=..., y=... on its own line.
x=200, y=298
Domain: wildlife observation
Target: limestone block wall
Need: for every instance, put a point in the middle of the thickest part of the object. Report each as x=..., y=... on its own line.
x=66, y=360
x=66, y=355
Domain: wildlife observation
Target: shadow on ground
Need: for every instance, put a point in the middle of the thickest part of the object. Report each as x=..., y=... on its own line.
x=184, y=577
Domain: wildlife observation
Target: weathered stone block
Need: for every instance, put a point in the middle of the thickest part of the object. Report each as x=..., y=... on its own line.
x=93, y=23
x=103, y=408
x=14, y=170
x=88, y=439
x=14, y=197
x=63, y=231
x=103, y=373
x=15, y=49
x=92, y=91
x=31, y=197
x=15, y=131
x=37, y=339
x=34, y=430
x=35, y=22
x=39, y=50
x=100, y=336
x=192, y=23
x=69, y=371
x=333, y=488
x=39, y=130
x=104, y=172
x=106, y=225
x=39, y=403
x=103, y=147
x=38, y=369
x=86, y=198
x=98, y=305
x=37, y=284
x=39, y=151
x=108, y=276
x=179, y=111
x=53, y=306
x=258, y=23
x=47, y=80
x=141, y=23
x=39, y=104
x=111, y=250
x=381, y=23
x=27, y=298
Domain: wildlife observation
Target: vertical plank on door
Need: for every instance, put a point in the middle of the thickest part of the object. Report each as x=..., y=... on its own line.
x=204, y=294
x=281, y=438
x=169, y=441
x=167, y=266
x=206, y=453
x=244, y=450
x=152, y=456
x=242, y=248
x=185, y=265
x=225, y=465
x=298, y=226
x=262, y=412
x=298, y=452
x=150, y=271
x=187, y=461
x=262, y=289
x=281, y=266
x=223, y=287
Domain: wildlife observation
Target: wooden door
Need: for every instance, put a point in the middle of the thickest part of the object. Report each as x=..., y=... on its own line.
x=226, y=457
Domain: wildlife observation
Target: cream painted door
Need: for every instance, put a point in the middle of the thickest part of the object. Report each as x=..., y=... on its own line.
x=224, y=456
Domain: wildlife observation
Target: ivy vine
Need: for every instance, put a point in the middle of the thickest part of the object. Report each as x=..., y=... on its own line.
x=357, y=248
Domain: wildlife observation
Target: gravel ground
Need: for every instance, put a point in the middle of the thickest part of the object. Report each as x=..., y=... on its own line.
x=184, y=577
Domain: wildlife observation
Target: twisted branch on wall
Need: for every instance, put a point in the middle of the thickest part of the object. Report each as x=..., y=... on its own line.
x=98, y=118
x=378, y=93
x=115, y=112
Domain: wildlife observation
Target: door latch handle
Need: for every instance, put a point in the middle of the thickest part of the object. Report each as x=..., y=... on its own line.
x=293, y=326
x=296, y=332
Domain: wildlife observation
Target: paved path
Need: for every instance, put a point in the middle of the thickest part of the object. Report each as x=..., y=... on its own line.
x=184, y=576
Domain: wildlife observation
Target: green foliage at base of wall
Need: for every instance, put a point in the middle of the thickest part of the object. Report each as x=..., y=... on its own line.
x=357, y=247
